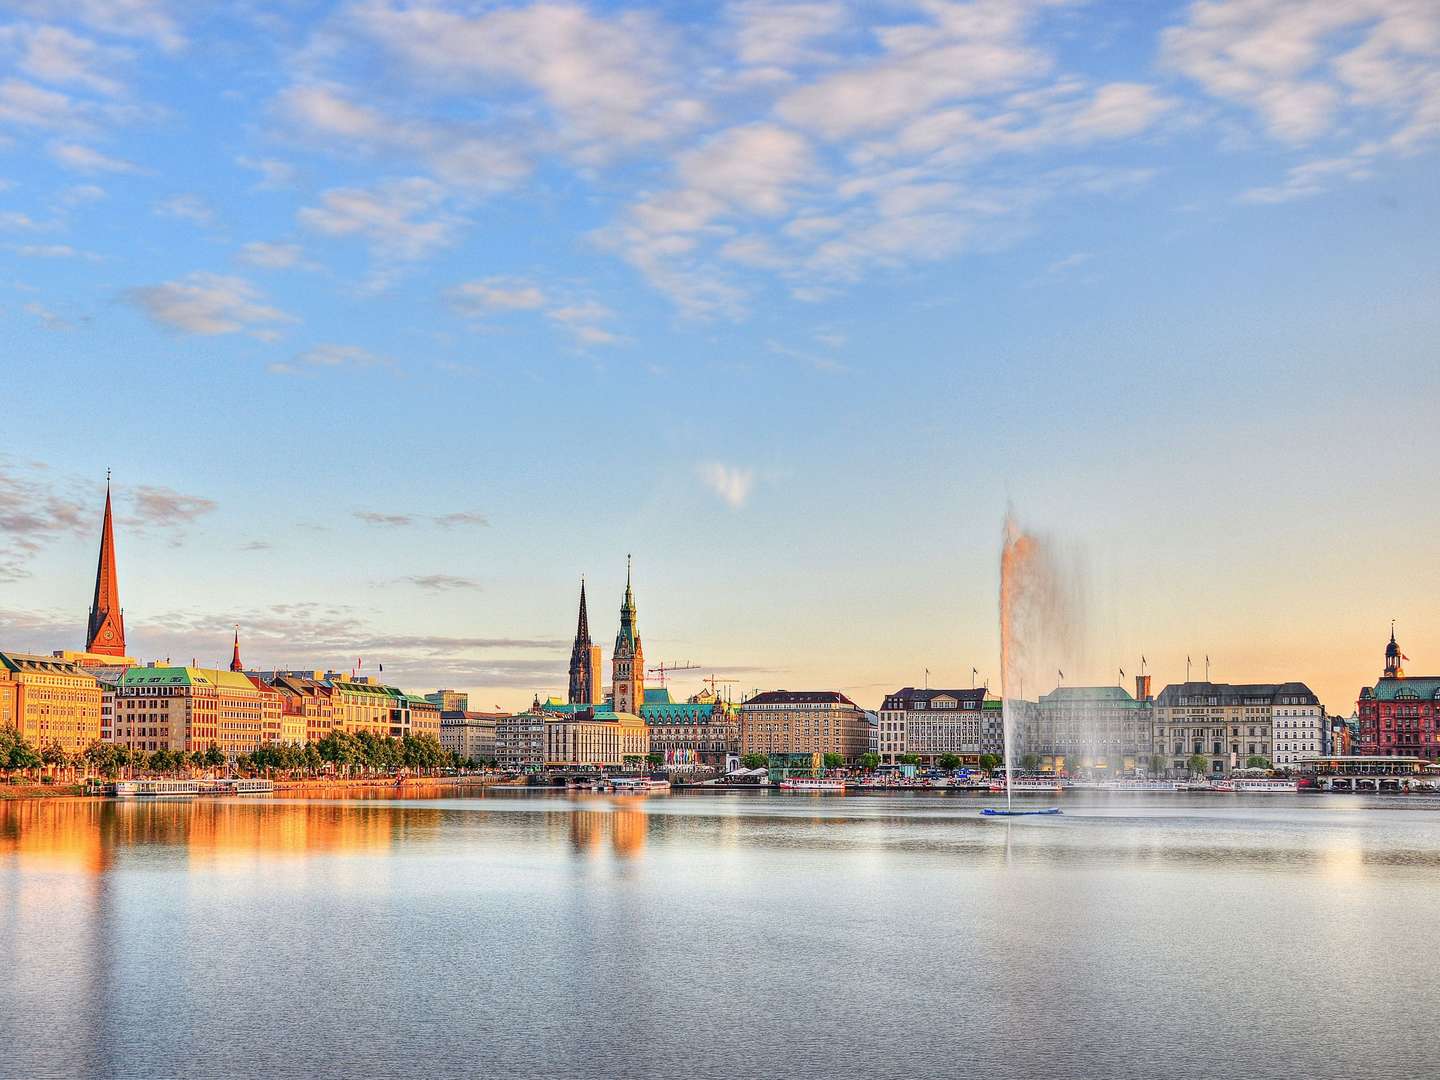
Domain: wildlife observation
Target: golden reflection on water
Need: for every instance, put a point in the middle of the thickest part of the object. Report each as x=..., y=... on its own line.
x=622, y=822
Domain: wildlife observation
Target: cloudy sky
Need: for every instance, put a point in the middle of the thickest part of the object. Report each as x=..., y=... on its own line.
x=393, y=319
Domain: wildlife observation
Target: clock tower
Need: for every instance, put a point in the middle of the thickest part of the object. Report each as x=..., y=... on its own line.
x=627, y=663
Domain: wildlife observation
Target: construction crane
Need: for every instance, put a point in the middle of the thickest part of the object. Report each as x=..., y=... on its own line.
x=662, y=669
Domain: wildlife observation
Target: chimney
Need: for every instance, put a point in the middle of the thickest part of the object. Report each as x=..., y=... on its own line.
x=1142, y=687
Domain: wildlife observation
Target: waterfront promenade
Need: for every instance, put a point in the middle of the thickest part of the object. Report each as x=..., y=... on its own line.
x=519, y=933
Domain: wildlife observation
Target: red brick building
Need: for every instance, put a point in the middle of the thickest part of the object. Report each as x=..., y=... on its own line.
x=1400, y=714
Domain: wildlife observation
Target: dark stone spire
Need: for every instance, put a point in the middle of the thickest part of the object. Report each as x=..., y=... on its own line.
x=580, y=673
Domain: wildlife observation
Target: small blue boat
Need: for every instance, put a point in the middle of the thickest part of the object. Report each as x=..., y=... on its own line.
x=987, y=812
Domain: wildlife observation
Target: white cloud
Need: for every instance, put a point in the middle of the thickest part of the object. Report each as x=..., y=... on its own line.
x=272, y=256
x=1310, y=178
x=186, y=207
x=330, y=356
x=54, y=251
x=495, y=294
x=401, y=219
x=780, y=36
x=86, y=159
x=208, y=304
x=54, y=55
x=1301, y=64
x=148, y=19
x=274, y=174
x=731, y=482
x=606, y=81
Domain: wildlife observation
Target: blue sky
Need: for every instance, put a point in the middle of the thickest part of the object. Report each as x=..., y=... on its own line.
x=394, y=319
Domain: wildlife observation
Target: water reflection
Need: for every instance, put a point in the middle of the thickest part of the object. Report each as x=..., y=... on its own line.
x=528, y=933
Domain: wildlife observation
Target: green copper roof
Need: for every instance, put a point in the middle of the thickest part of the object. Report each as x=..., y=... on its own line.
x=184, y=676
x=1422, y=687
x=657, y=695
x=680, y=712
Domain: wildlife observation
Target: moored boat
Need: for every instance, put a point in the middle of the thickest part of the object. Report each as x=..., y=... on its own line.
x=813, y=784
x=639, y=785
x=1265, y=785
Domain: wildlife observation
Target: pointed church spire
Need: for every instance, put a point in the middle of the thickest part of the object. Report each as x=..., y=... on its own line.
x=235, y=664
x=582, y=658
x=106, y=633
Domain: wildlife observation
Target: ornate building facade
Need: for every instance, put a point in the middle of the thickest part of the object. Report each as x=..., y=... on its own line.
x=1400, y=714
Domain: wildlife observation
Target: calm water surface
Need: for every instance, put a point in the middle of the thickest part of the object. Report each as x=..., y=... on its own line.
x=726, y=935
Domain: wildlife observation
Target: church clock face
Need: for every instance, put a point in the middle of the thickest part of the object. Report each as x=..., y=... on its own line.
x=109, y=634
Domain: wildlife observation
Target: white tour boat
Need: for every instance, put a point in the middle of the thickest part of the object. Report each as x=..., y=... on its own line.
x=1272, y=785
x=638, y=785
x=812, y=783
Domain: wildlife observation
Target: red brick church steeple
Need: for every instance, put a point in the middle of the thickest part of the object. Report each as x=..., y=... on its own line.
x=235, y=664
x=106, y=636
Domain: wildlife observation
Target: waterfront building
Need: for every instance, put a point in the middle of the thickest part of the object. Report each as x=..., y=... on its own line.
x=418, y=717
x=520, y=739
x=105, y=635
x=992, y=727
x=627, y=662
x=470, y=735
x=701, y=730
x=931, y=724
x=306, y=704
x=50, y=700
x=585, y=661
x=1227, y=724
x=361, y=704
x=608, y=740
x=1400, y=714
x=449, y=700
x=803, y=721
x=1099, y=729
x=183, y=709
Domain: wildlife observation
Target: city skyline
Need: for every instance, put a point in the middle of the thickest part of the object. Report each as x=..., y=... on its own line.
x=105, y=615
x=393, y=320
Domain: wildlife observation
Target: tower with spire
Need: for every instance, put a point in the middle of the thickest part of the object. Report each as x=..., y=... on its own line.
x=235, y=664
x=627, y=663
x=1393, y=656
x=584, y=660
x=106, y=634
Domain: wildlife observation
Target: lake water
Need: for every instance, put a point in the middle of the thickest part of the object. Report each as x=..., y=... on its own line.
x=726, y=935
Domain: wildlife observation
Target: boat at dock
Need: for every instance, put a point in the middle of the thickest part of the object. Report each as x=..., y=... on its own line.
x=159, y=788
x=830, y=784
x=1025, y=783
x=639, y=785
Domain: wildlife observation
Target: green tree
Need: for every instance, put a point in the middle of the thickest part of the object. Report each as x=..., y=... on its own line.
x=655, y=758
x=103, y=757
x=833, y=761
x=1030, y=762
x=870, y=762
x=1198, y=764
x=54, y=755
x=15, y=752
x=755, y=761
x=909, y=759
x=214, y=756
x=990, y=762
x=949, y=762
x=1255, y=761
x=1157, y=764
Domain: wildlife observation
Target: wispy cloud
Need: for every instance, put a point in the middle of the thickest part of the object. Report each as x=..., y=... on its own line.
x=732, y=483
x=330, y=356
x=86, y=159
x=440, y=582
x=455, y=519
x=208, y=304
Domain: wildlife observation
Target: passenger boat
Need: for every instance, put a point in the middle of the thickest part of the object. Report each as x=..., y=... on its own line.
x=639, y=785
x=157, y=789
x=1273, y=785
x=1142, y=785
x=1026, y=783
x=812, y=783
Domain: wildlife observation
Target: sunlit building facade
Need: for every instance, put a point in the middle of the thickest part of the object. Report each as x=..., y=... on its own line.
x=184, y=709
x=1092, y=729
x=612, y=740
x=1400, y=715
x=50, y=701
x=803, y=721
